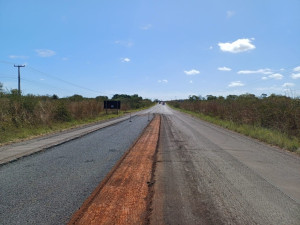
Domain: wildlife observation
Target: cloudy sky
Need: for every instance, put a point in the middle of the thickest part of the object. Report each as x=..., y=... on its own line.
x=158, y=49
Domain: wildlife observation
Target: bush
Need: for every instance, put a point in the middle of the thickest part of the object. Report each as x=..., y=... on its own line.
x=62, y=114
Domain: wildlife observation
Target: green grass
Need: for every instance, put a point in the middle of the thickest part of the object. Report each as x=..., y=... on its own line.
x=272, y=137
x=10, y=134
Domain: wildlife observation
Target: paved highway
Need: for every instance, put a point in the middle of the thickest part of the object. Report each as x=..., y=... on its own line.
x=48, y=187
x=204, y=175
x=209, y=175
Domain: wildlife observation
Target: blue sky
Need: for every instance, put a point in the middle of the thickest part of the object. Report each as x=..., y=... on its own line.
x=158, y=49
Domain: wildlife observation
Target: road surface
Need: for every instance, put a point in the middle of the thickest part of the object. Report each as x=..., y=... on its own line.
x=48, y=187
x=208, y=175
x=18, y=150
x=204, y=174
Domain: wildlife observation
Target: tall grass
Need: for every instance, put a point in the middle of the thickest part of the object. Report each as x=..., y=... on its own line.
x=275, y=119
x=25, y=116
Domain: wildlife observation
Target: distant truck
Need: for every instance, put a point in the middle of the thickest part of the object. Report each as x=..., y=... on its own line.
x=163, y=103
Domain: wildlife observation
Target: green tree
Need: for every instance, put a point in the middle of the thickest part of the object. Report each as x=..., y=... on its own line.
x=211, y=97
x=1, y=90
x=121, y=96
x=55, y=97
x=232, y=97
x=193, y=98
x=101, y=98
x=76, y=98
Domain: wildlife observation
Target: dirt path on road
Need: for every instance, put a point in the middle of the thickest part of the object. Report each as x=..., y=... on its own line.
x=123, y=197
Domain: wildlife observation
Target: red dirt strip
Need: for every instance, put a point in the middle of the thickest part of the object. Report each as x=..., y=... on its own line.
x=123, y=196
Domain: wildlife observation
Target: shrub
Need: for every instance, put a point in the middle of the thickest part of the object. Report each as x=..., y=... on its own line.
x=62, y=114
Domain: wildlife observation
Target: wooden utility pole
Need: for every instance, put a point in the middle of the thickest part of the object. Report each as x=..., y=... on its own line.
x=19, y=77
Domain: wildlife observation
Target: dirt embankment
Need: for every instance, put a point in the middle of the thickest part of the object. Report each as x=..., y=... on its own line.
x=123, y=196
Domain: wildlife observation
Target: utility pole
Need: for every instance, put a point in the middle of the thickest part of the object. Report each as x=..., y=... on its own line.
x=19, y=77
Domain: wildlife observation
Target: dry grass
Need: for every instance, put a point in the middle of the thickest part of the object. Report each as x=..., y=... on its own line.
x=25, y=116
x=275, y=120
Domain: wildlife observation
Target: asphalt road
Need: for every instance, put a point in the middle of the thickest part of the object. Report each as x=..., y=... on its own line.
x=49, y=186
x=209, y=175
x=204, y=175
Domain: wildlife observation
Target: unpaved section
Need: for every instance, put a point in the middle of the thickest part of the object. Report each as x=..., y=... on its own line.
x=123, y=197
x=208, y=175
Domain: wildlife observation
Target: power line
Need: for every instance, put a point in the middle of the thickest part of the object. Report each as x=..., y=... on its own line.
x=57, y=78
x=67, y=82
x=7, y=77
x=4, y=74
x=6, y=62
x=44, y=84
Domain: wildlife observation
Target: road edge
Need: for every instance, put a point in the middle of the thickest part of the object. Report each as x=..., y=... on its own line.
x=19, y=155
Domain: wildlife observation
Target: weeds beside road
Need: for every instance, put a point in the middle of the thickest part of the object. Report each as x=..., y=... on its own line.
x=274, y=120
x=22, y=117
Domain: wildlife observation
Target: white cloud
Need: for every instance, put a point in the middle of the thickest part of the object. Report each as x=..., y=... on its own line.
x=276, y=76
x=191, y=72
x=295, y=76
x=296, y=69
x=288, y=85
x=211, y=47
x=146, y=27
x=236, y=84
x=127, y=44
x=224, y=68
x=240, y=45
x=45, y=52
x=163, y=81
x=18, y=57
x=260, y=71
x=65, y=58
x=230, y=13
x=125, y=60
x=191, y=82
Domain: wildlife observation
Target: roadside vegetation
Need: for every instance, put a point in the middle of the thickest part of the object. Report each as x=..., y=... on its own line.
x=22, y=117
x=274, y=119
